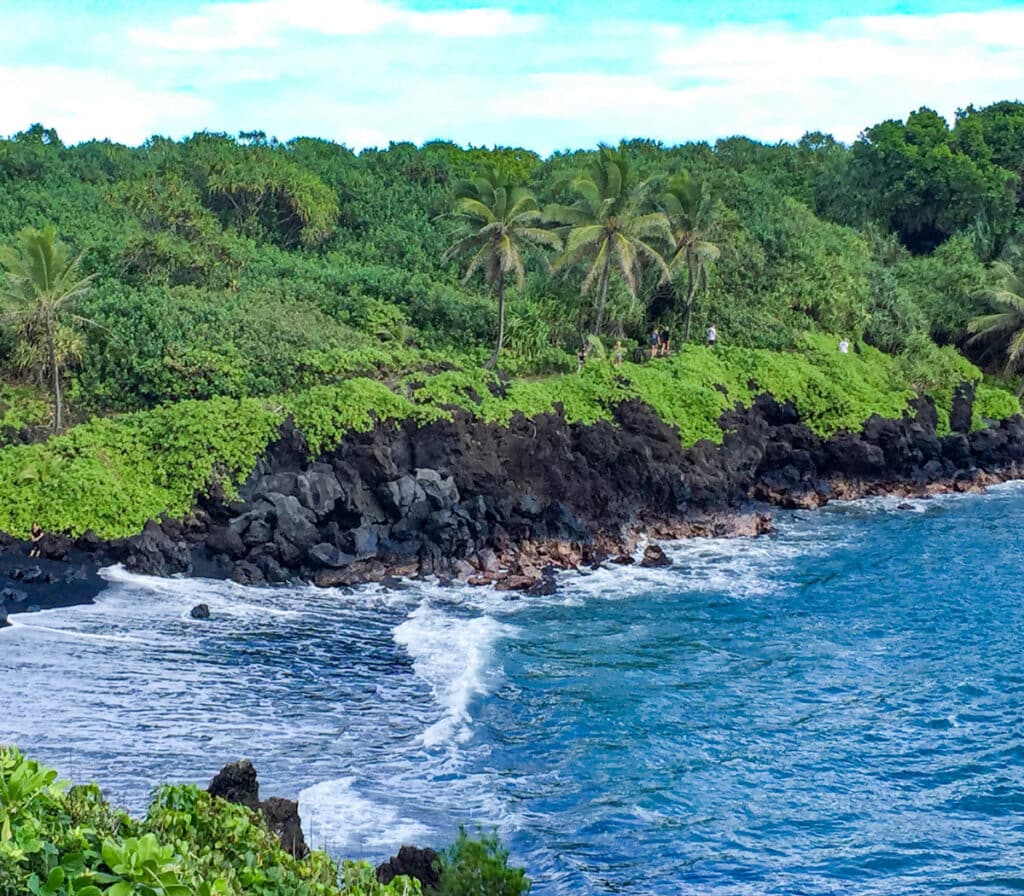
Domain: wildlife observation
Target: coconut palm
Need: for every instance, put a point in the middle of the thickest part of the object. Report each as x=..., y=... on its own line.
x=41, y=282
x=689, y=208
x=1001, y=332
x=606, y=230
x=500, y=221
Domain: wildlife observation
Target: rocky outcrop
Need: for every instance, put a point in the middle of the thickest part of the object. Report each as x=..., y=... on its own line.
x=466, y=499
x=237, y=783
x=411, y=861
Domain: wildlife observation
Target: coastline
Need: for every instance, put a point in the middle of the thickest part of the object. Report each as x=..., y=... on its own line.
x=506, y=506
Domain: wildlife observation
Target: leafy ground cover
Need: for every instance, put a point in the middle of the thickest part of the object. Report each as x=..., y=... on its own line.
x=112, y=474
x=58, y=840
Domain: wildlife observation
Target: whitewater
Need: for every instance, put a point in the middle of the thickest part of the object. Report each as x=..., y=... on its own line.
x=832, y=709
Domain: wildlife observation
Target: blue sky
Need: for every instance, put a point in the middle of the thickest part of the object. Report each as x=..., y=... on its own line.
x=560, y=74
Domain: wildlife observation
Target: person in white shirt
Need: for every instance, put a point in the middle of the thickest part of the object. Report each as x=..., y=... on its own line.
x=844, y=346
x=712, y=336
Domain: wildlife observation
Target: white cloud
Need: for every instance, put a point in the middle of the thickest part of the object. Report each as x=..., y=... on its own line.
x=237, y=25
x=83, y=104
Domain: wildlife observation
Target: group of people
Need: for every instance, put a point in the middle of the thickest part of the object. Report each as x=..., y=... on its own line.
x=661, y=344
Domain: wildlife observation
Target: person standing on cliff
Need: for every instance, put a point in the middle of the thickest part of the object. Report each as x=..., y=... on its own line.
x=581, y=358
x=36, y=534
x=844, y=346
x=712, y=336
x=665, y=343
x=655, y=343
x=617, y=353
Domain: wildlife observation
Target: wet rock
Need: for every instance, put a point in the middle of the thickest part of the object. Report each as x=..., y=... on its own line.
x=411, y=861
x=200, y=611
x=154, y=553
x=237, y=783
x=246, y=573
x=655, y=556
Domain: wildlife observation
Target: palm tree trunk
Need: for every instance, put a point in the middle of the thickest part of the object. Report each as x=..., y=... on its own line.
x=602, y=295
x=691, y=294
x=57, y=404
x=501, y=324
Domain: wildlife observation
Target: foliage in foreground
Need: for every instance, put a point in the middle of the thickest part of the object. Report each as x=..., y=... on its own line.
x=114, y=474
x=61, y=841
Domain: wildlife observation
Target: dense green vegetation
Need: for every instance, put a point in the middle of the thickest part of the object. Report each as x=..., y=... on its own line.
x=57, y=840
x=234, y=282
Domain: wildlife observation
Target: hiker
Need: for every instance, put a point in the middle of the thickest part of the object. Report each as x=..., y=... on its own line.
x=655, y=343
x=617, y=353
x=844, y=346
x=581, y=358
x=37, y=536
x=712, y=336
x=665, y=344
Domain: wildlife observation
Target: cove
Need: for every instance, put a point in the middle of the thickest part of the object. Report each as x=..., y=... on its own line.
x=835, y=708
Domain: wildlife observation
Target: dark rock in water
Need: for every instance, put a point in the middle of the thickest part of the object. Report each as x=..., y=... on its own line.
x=246, y=573
x=200, y=611
x=655, y=556
x=330, y=556
x=543, y=587
x=237, y=783
x=3, y=614
x=154, y=553
x=283, y=820
x=422, y=864
x=903, y=505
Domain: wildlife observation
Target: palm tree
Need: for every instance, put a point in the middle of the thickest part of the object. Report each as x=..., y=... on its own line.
x=605, y=229
x=689, y=208
x=1002, y=332
x=500, y=221
x=40, y=284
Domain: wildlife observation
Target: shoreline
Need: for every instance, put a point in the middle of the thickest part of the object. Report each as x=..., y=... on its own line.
x=515, y=537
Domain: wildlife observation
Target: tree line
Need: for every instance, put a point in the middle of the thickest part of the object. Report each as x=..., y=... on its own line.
x=245, y=266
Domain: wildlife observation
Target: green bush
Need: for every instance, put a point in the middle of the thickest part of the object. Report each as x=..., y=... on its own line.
x=479, y=867
x=61, y=841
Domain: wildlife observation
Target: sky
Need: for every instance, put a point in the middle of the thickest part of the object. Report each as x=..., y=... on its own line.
x=560, y=74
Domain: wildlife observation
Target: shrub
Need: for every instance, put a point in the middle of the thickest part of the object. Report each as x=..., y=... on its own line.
x=479, y=867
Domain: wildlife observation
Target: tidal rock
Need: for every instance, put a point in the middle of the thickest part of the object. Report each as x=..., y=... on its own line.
x=200, y=611
x=411, y=861
x=655, y=556
x=154, y=553
x=246, y=573
x=237, y=783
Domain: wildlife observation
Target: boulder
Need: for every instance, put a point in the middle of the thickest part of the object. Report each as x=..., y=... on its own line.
x=330, y=556
x=655, y=556
x=422, y=864
x=200, y=611
x=154, y=553
x=282, y=817
x=225, y=540
x=246, y=573
x=237, y=783
x=318, y=491
x=293, y=522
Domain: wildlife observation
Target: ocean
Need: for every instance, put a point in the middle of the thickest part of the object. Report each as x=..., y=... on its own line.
x=836, y=708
